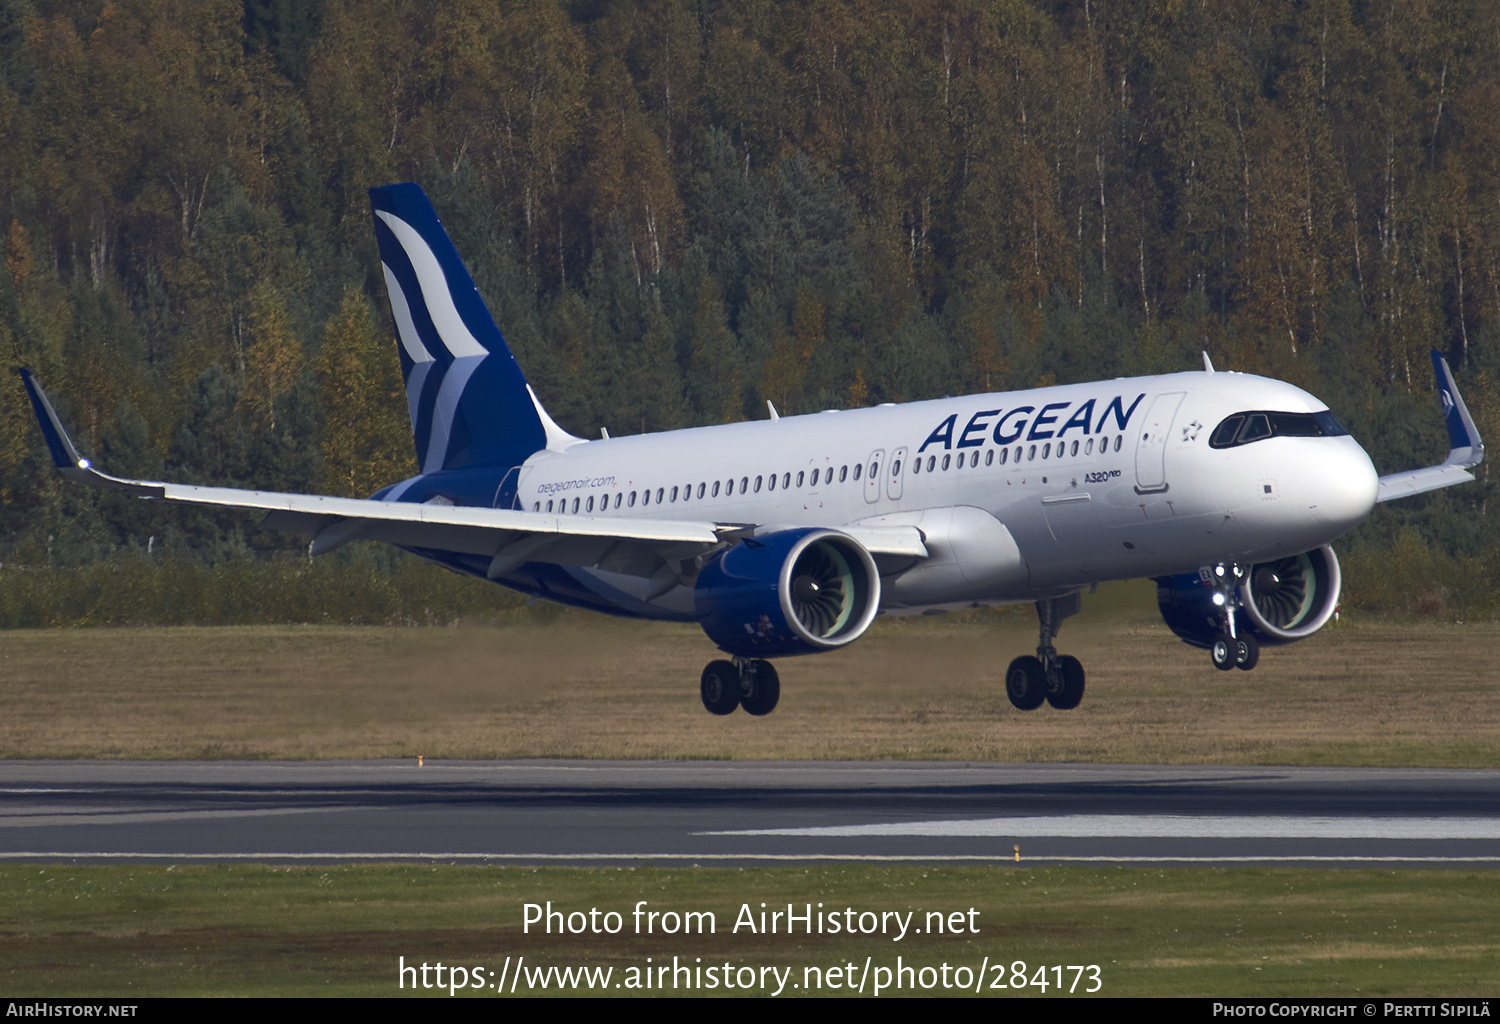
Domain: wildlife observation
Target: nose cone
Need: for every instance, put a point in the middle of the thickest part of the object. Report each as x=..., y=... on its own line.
x=1346, y=484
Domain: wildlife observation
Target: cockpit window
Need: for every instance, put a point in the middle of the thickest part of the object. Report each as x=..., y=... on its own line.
x=1330, y=424
x=1223, y=435
x=1257, y=426
x=1245, y=427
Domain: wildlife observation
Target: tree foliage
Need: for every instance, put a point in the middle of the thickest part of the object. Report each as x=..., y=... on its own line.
x=680, y=210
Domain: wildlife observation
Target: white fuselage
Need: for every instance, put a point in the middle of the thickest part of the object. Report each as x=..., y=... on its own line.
x=1017, y=494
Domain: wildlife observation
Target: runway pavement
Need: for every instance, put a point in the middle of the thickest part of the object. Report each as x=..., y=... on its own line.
x=600, y=812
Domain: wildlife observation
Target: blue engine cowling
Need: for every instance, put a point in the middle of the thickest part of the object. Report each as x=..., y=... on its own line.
x=1282, y=600
x=789, y=592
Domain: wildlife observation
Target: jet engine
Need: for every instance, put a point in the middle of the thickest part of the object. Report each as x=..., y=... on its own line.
x=1281, y=600
x=788, y=592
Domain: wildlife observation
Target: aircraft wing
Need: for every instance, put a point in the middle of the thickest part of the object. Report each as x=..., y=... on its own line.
x=509, y=537
x=1465, y=448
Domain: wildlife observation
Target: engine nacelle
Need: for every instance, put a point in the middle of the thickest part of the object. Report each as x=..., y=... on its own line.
x=1282, y=600
x=789, y=592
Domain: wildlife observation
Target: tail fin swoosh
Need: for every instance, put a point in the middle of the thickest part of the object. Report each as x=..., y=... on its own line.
x=469, y=402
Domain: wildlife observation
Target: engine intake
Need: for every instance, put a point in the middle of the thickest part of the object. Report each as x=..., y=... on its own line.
x=789, y=592
x=1282, y=600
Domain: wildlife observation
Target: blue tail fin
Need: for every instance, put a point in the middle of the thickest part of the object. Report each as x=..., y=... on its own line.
x=469, y=401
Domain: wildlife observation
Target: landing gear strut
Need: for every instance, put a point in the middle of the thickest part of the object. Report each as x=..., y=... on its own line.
x=1234, y=646
x=1055, y=678
x=752, y=684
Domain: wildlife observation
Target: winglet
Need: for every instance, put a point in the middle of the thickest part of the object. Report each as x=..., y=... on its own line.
x=65, y=457
x=1465, y=447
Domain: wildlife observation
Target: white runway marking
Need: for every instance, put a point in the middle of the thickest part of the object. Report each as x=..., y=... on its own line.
x=1000, y=857
x=1126, y=826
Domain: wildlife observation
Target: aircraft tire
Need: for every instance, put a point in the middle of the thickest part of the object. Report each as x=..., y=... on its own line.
x=1223, y=652
x=763, y=691
x=1070, y=694
x=720, y=687
x=1247, y=652
x=1026, y=683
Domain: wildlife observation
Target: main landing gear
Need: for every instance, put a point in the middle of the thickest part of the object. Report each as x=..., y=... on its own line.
x=1051, y=677
x=749, y=683
x=1233, y=646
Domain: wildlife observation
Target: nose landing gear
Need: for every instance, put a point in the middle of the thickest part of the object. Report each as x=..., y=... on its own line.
x=1055, y=678
x=1233, y=647
x=752, y=684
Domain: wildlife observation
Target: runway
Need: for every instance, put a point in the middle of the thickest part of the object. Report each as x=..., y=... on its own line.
x=687, y=812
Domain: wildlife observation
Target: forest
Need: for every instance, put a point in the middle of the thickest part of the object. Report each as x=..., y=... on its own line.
x=679, y=209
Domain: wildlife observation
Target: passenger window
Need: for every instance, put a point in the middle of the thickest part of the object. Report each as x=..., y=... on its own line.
x=590, y=507
x=799, y=478
x=674, y=494
x=857, y=470
x=575, y=506
x=947, y=460
x=814, y=479
x=1118, y=439
x=549, y=504
x=1046, y=449
x=916, y=467
x=661, y=492
x=1031, y=453
x=786, y=480
x=632, y=499
x=1075, y=448
x=874, y=469
x=989, y=457
x=745, y=485
x=931, y=462
x=646, y=497
x=757, y=485
x=771, y=482
x=701, y=486
x=896, y=468
x=843, y=474
x=1004, y=456
x=716, y=488
x=1088, y=449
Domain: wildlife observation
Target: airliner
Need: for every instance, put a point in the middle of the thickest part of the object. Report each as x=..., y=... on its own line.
x=789, y=535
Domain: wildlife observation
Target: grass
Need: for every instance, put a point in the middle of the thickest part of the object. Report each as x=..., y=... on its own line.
x=1363, y=692
x=340, y=931
x=1366, y=692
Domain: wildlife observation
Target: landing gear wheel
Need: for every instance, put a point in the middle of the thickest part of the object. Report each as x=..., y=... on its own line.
x=760, y=688
x=1026, y=683
x=1068, y=692
x=721, y=687
x=1224, y=651
x=1247, y=652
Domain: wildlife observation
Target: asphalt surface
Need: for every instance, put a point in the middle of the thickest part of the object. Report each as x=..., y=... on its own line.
x=743, y=812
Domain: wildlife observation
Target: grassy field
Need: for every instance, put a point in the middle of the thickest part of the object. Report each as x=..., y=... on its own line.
x=340, y=931
x=1370, y=692
x=1367, y=692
